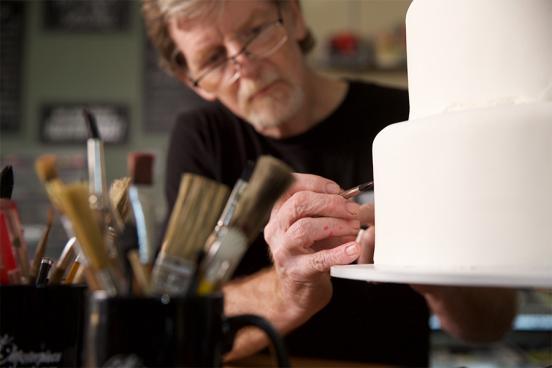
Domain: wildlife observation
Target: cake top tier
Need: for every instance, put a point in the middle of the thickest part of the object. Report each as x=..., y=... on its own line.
x=477, y=53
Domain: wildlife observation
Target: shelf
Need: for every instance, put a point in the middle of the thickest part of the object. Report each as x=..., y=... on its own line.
x=393, y=77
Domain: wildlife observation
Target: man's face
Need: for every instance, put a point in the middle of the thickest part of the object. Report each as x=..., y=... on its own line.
x=269, y=91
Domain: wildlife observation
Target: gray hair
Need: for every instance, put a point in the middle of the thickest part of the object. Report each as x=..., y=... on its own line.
x=157, y=14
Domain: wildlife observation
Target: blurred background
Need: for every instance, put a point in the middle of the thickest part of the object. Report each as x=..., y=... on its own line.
x=57, y=56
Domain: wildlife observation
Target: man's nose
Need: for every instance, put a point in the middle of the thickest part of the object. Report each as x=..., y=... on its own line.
x=247, y=66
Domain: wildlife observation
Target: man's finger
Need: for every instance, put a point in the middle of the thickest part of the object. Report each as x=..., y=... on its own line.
x=322, y=261
x=310, y=204
x=366, y=240
x=366, y=214
x=305, y=232
x=308, y=182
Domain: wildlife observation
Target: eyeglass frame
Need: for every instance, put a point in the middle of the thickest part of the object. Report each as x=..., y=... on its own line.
x=244, y=49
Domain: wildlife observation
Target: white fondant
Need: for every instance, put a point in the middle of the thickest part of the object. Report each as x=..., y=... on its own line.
x=467, y=181
x=478, y=53
x=470, y=188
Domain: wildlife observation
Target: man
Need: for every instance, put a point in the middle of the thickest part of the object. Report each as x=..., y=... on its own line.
x=248, y=56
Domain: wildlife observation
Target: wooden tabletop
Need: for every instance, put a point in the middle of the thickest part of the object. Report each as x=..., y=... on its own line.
x=262, y=360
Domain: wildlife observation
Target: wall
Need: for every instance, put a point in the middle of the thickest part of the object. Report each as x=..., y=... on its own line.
x=108, y=67
x=62, y=67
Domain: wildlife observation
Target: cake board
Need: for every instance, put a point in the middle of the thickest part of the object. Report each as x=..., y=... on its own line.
x=475, y=276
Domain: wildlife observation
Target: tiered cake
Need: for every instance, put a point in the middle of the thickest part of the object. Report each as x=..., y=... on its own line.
x=466, y=183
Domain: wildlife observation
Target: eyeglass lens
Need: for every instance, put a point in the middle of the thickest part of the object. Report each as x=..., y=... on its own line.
x=262, y=45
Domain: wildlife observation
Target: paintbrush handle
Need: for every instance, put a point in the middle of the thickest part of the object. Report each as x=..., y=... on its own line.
x=171, y=275
x=40, y=250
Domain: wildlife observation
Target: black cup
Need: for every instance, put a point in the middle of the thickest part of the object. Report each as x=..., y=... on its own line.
x=165, y=332
x=41, y=326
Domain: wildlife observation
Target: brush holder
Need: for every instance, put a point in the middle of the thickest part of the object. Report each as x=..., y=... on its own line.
x=41, y=326
x=165, y=331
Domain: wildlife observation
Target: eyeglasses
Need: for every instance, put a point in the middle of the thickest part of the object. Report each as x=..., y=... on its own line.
x=262, y=42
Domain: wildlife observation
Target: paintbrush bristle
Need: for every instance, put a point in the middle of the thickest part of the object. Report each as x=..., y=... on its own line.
x=140, y=167
x=91, y=124
x=270, y=179
x=6, y=182
x=195, y=213
x=45, y=167
x=87, y=231
x=118, y=193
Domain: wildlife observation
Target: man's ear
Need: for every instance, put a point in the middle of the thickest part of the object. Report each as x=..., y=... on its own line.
x=298, y=21
x=182, y=77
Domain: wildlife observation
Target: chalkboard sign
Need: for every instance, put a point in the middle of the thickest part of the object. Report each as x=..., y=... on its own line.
x=12, y=26
x=86, y=15
x=164, y=96
x=65, y=124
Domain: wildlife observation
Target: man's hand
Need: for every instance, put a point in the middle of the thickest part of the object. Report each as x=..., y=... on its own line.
x=311, y=228
x=469, y=313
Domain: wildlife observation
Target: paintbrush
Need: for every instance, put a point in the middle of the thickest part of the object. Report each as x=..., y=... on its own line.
x=41, y=246
x=75, y=199
x=140, y=167
x=195, y=213
x=235, y=195
x=42, y=274
x=141, y=274
x=45, y=168
x=110, y=223
x=96, y=161
x=99, y=192
x=128, y=241
x=353, y=192
x=120, y=204
x=15, y=230
x=72, y=273
x=270, y=179
x=118, y=194
x=67, y=256
x=230, y=207
x=221, y=261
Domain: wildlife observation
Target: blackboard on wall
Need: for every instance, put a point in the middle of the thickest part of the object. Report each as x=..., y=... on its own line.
x=12, y=26
x=86, y=15
x=63, y=123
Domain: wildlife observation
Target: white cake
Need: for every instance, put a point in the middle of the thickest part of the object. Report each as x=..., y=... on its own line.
x=466, y=183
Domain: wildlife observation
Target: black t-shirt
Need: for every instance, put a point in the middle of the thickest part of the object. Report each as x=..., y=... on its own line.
x=363, y=321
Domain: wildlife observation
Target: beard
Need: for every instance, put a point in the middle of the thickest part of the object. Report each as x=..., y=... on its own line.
x=273, y=107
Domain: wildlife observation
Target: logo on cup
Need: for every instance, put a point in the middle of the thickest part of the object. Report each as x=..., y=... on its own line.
x=10, y=355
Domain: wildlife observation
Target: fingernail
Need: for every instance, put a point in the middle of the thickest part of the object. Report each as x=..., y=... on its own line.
x=353, y=208
x=332, y=188
x=352, y=249
x=359, y=235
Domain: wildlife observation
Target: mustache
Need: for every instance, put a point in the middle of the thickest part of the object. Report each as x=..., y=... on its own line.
x=249, y=87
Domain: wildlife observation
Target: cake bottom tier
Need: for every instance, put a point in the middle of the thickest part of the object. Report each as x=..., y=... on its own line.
x=466, y=189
